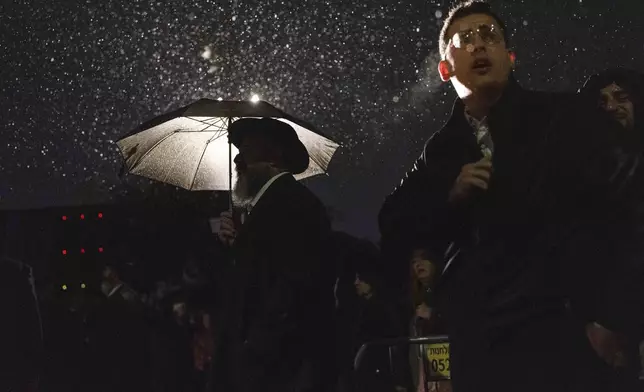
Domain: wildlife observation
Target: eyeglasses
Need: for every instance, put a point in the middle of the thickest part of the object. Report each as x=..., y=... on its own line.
x=489, y=34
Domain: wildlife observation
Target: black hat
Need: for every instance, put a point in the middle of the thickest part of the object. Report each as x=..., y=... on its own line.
x=296, y=157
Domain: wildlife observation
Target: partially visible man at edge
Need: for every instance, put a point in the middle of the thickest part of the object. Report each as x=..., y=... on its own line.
x=620, y=93
x=276, y=332
x=511, y=188
x=21, y=337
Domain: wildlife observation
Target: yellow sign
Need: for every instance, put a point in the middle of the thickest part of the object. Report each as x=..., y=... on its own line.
x=438, y=361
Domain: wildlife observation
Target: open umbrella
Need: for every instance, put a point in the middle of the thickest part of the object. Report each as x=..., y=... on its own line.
x=189, y=147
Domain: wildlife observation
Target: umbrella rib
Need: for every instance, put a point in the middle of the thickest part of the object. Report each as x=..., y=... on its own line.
x=217, y=135
x=203, y=122
x=196, y=131
x=145, y=154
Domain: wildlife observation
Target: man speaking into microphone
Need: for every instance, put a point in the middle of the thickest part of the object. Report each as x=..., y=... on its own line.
x=515, y=188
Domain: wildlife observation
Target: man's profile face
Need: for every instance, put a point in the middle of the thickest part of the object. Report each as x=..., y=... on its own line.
x=477, y=54
x=617, y=102
x=423, y=268
x=253, y=166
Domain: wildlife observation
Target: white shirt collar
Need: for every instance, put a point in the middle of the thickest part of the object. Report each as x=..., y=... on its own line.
x=474, y=122
x=263, y=190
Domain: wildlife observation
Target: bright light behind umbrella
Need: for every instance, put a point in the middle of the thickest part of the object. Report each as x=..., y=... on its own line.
x=254, y=98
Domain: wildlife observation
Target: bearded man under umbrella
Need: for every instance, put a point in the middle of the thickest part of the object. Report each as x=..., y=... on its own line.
x=280, y=286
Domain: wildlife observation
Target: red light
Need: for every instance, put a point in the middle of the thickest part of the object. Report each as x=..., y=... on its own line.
x=64, y=217
x=100, y=215
x=82, y=250
x=82, y=216
x=100, y=250
x=64, y=251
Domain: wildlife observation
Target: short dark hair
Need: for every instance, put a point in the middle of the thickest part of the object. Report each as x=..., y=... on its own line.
x=462, y=10
x=628, y=79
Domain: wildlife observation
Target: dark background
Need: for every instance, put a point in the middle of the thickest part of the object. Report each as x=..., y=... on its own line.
x=76, y=75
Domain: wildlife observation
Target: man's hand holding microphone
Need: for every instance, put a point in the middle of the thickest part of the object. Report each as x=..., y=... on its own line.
x=472, y=176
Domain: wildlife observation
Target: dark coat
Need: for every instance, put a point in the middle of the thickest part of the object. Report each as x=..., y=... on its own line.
x=21, y=341
x=280, y=296
x=559, y=206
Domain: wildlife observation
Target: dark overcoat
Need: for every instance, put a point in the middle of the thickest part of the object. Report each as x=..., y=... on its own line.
x=558, y=228
x=277, y=328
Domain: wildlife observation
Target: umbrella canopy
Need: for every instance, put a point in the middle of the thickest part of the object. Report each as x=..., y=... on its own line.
x=189, y=147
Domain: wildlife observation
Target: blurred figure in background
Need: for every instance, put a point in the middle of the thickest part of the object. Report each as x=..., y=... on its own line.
x=202, y=347
x=376, y=317
x=112, y=285
x=21, y=343
x=620, y=92
x=21, y=338
x=425, y=269
x=120, y=337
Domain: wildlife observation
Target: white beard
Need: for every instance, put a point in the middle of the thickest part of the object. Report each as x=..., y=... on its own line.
x=241, y=194
x=249, y=183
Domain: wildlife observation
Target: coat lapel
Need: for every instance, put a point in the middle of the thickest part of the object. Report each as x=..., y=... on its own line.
x=267, y=205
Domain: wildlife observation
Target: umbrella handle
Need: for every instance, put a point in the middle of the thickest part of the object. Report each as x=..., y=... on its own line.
x=230, y=170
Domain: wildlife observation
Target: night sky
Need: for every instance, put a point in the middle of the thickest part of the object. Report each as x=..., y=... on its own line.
x=77, y=75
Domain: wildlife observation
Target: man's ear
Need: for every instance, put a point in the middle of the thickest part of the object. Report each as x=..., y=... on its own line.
x=445, y=70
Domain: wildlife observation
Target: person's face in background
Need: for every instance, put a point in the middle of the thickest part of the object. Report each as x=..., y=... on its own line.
x=476, y=58
x=617, y=102
x=254, y=166
x=180, y=312
x=424, y=270
x=363, y=289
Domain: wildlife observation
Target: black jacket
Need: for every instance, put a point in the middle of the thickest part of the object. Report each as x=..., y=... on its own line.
x=280, y=294
x=559, y=224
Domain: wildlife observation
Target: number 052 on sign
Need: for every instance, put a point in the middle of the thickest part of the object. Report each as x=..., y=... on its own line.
x=438, y=360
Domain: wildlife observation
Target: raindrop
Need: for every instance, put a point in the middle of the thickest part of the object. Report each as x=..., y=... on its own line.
x=439, y=14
